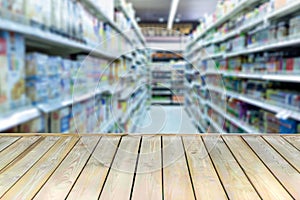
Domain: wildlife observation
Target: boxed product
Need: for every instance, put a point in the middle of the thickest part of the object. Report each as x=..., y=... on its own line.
x=15, y=7
x=74, y=117
x=34, y=11
x=36, y=65
x=60, y=121
x=37, y=90
x=279, y=4
x=34, y=126
x=287, y=126
x=12, y=72
x=56, y=15
x=54, y=87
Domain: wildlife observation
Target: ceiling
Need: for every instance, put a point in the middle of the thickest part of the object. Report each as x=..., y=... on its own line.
x=188, y=10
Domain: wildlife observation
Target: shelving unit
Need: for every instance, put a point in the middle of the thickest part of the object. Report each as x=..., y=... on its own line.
x=42, y=38
x=207, y=64
x=168, y=83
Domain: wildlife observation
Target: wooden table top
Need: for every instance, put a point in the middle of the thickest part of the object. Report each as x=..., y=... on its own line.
x=150, y=167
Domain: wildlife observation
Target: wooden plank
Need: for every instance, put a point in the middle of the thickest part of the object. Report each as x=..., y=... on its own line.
x=34, y=179
x=62, y=180
x=294, y=140
x=148, y=180
x=119, y=181
x=6, y=141
x=15, y=150
x=15, y=170
x=289, y=152
x=177, y=182
x=285, y=173
x=206, y=181
x=265, y=183
x=234, y=180
x=91, y=180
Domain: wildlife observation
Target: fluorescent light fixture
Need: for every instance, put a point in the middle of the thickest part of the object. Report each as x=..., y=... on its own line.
x=172, y=14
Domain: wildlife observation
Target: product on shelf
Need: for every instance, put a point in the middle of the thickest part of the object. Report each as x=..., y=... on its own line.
x=34, y=126
x=12, y=71
x=60, y=121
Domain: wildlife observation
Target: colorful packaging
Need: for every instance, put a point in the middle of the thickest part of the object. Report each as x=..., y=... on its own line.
x=12, y=72
x=36, y=65
x=37, y=91
x=60, y=121
x=34, y=126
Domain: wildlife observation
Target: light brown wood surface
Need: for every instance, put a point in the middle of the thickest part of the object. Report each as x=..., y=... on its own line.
x=148, y=180
x=286, y=174
x=120, y=178
x=15, y=150
x=15, y=170
x=62, y=180
x=294, y=140
x=232, y=176
x=264, y=182
x=92, y=178
x=34, y=179
x=149, y=167
x=177, y=182
x=6, y=141
x=289, y=152
x=202, y=169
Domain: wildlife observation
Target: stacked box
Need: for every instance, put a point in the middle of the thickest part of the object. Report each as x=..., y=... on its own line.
x=34, y=126
x=60, y=121
x=12, y=71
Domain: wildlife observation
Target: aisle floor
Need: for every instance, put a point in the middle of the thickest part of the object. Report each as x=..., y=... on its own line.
x=150, y=167
x=167, y=119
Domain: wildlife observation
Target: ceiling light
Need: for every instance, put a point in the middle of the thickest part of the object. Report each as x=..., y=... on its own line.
x=172, y=14
x=161, y=19
x=138, y=19
x=177, y=20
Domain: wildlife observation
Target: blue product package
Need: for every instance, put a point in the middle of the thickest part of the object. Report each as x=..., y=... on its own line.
x=287, y=126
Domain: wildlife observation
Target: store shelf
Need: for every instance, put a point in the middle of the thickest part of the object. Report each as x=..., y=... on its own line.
x=232, y=119
x=281, y=111
x=133, y=107
x=136, y=28
x=89, y=4
x=233, y=33
x=288, y=9
x=291, y=7
x=215, y=125
x=284, y=77
x=238, y=8
x=18, y=117
x=43, y=37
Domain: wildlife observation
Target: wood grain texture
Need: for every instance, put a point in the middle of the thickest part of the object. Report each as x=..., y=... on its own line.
x=16, y=149
x=15, y=170
x=91, y=180
x=62, y=180
x=289, y=152
x=294, y=140
x=6, y=141
x=34, y=179
x=286, y=174
x=234, y=180
x=177, y=182
x=202, y=170
x=120, y=178
x=260, y=176
x=148, y=180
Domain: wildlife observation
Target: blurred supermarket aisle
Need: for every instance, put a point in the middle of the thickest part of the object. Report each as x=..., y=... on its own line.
x=166, y=119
